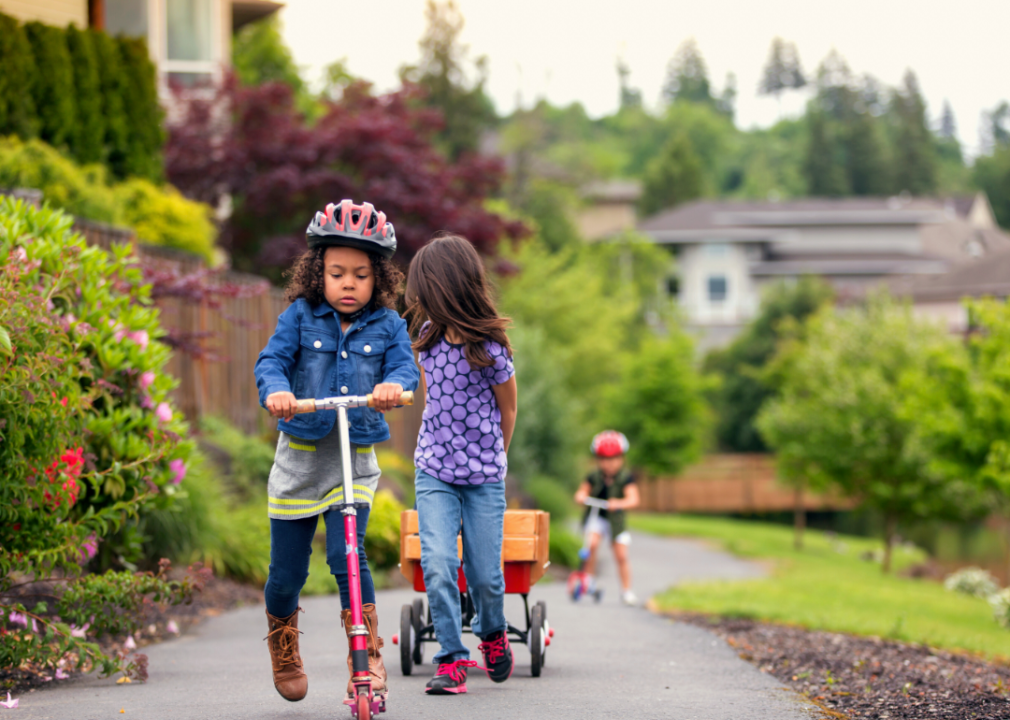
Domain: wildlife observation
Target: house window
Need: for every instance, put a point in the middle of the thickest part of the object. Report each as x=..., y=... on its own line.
x=126, y=17
x=717, y=288
x=189, y=25
x=673, y=286
x=717, y=249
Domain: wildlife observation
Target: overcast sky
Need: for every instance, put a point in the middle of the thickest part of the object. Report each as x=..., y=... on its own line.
x=566, y=49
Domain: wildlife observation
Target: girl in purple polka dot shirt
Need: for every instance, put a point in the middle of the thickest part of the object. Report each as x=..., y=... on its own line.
x=469, y=415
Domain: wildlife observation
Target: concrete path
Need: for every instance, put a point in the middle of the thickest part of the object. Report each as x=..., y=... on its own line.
x=606, y=661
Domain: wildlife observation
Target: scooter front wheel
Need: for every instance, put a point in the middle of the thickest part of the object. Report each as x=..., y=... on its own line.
x=363, y=711
x=407, y=634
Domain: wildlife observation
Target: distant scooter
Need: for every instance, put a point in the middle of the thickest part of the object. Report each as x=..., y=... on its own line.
x=581, y=582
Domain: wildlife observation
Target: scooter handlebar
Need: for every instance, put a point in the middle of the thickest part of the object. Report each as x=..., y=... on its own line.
x=310, y=405
x=596, y=503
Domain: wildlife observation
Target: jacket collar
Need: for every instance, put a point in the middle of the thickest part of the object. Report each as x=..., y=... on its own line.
x=324, y=308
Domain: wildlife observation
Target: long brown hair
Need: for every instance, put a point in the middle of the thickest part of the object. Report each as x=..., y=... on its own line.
x=307, y=279
x=447, y=286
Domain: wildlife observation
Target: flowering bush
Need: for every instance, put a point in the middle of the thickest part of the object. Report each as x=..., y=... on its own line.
x=88, y=437
x=1000, y=602
x=972, y=581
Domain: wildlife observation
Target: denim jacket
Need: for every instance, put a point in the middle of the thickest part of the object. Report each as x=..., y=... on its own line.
x=309, y=355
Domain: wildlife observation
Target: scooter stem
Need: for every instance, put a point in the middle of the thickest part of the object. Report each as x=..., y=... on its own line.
x=358, y=632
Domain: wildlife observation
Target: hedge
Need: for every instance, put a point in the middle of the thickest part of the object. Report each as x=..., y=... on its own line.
x=159, y=215
x=83, y=91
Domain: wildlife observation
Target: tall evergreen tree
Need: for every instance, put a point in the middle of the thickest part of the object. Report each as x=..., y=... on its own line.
x=822, y=166
x=687, y=76
x=726, y=104
x=782, y=71
x=466, y=109
x=114, y=90
x=143, y=111
x=996, y=127
x=259, y=56
x=673, y=177
x=17, y=78
x=87, y=144
x=630, y=97
x=915, y=166
x=53, y=88
x=948, y=126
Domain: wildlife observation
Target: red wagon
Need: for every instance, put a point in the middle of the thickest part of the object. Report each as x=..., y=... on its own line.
x=525, y=553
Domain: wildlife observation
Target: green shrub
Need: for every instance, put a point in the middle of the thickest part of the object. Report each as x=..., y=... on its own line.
x=87, y=439
x=87, y=144
x=400, y=470
x=1000, y=603
x=972, y=581
x=53, y=88
x=133, y=439
x=160, y=216
x=65, y=185
x=551, y=496
x=382, y=539
x=564, y=546
x=144, y=115
x=112, y=85
x=245, y=459
x=17, y=77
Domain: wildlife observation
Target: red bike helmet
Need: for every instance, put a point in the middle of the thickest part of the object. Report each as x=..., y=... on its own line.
x=350, y=225
x=609, y=443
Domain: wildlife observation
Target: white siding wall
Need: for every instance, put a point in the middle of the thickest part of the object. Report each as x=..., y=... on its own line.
x=697, y=264
x=52, y=12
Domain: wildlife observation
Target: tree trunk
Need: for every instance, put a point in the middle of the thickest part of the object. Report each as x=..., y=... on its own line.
x=890, y=529
x=799, y=517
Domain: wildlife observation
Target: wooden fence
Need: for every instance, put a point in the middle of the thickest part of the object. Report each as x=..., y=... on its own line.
x=740, y=483
x=221, y=381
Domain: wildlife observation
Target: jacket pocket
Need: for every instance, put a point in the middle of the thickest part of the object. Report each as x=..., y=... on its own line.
x=317, y=354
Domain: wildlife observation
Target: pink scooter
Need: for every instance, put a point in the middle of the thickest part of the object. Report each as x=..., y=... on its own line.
x=364, y=705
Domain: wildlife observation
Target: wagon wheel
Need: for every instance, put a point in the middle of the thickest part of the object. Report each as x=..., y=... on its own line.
x=543, y=630
x=536, y=639
x=418, y=619
x=406, y=639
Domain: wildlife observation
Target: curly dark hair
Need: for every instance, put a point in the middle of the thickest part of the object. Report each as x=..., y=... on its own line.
x=307, y=278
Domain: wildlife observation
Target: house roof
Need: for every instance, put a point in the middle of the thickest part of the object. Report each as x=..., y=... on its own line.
x=722, y=216
x=989, y=275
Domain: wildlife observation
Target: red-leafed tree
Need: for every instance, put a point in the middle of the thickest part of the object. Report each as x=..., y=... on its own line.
x=252, y=145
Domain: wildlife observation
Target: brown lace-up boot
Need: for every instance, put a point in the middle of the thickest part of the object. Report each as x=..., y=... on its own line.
x=282, y=640
x=375, y=643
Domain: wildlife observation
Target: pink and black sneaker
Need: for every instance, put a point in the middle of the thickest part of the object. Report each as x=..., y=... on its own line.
x=450, y=678
x=497, y=656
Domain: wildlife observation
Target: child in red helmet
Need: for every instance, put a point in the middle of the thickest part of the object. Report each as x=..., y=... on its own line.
x=613, y=482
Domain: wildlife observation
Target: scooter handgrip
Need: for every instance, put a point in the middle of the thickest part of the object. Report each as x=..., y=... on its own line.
x=306, y=406
x=406, y=399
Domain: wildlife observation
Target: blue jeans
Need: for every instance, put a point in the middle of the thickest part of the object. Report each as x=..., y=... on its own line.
x=441, y=508
x=290, y=547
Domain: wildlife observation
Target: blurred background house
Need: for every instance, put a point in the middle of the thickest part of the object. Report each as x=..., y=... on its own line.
x=726, y=252
x=189, y=40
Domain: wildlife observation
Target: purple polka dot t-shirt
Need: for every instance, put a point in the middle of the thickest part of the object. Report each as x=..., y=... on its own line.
x=460, y=440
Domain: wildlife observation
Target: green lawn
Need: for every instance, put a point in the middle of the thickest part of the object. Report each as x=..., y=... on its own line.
x=827, y=586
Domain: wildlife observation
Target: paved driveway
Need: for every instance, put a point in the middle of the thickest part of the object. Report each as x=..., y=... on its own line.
x=606, y=661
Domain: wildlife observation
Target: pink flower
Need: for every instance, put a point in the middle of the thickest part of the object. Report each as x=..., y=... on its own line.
x=79, y=632
x=130, y=643
x=119, y=335
x=9, y=704
x=16, y=618
x=60, y=675
x=140, y=337
x=146, y=403
x=146, y=380
x=172, y=627
x=178, y=467
x=163, y=412
x=88, y=548
x=19, y=254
